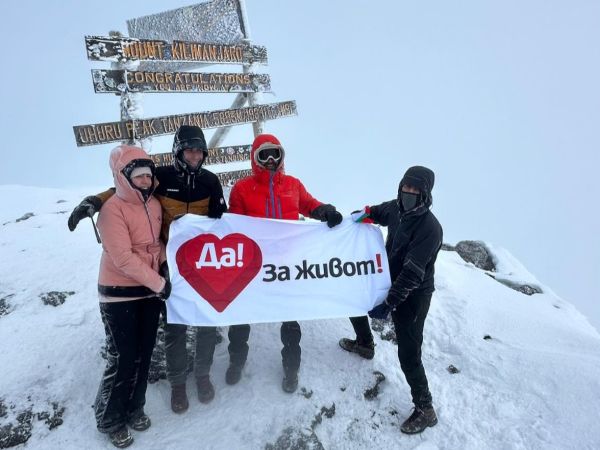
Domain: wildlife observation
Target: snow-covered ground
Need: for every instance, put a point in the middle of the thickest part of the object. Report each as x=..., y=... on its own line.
x=533, y=384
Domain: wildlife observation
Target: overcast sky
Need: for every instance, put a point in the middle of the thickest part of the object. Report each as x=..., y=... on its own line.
x=500, y=99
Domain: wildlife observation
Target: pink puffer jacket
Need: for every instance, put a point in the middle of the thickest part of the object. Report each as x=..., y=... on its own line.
x=130, y=230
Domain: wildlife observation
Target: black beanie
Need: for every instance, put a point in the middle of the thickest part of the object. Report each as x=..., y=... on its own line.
x=188, y=133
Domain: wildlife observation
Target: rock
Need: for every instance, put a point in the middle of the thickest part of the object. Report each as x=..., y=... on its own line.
x=55, y=298
x=527, y=289
x=385, y=329
x=452, y=369
x=296, y=439
x=477, y=253
x=5, y=307
x=372, y=392
x=12, y=435
x=448, y=248
x=25, y=217
x=306, y=393
x=487, y=337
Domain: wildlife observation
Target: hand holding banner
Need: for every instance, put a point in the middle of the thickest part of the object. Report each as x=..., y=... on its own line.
x=241, y=269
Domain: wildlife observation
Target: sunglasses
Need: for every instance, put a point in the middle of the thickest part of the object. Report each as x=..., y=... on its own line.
x=265, y=154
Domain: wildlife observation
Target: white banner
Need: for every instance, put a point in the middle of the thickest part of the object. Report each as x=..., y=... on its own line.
x=241, y=269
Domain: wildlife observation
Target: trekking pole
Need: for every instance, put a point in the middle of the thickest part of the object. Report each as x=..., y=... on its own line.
x=96, y=230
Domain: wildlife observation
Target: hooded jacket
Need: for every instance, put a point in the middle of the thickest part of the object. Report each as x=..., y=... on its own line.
x=130, y=231
x=270, y=194
x=414, y=237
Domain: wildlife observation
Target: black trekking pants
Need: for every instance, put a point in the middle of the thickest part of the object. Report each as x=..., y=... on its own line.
x=130, y=328
x=291, y=352
x=409, y=320
x=206, y=340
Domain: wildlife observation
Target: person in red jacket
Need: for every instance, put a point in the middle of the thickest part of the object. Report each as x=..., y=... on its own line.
x=270, y=193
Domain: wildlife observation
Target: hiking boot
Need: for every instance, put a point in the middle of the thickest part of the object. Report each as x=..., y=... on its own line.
x=206, y=391
x=140, y=423
x=234, y=373
x=121, y=438
x=290, y=381
x=179, y=400
x=366, y=351
x=421, y=418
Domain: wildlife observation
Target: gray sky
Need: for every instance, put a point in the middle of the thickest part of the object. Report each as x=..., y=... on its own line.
x=500, y=99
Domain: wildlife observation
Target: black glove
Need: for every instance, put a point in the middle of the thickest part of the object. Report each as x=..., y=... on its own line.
x=166, y=292
x=333, y=218
x=381, y=311
x=87, y=208
x=327, y=213
x=215, y=215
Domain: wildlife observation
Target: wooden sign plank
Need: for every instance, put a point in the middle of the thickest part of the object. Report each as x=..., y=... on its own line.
x=228, y=179
x=217, y=155
x=111, y=81
x=103, y=133
x=102, y=48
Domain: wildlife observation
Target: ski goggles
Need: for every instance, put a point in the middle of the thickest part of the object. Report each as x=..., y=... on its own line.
x=274, y=152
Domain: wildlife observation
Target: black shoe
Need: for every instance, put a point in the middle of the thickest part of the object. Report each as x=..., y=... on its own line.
x=234, y=373
x=179, y=400
x=206, y=391
x=366, y=351
x=421, y=418
x=121, y=438
x=290, y=382
x=140, y=423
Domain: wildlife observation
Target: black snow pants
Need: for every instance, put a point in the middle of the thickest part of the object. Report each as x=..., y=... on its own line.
x=409, y=320
x=206, y=340
x=130, y=328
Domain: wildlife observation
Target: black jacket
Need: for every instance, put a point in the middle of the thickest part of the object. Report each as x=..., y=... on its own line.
x=180, y=193
x=413, y=242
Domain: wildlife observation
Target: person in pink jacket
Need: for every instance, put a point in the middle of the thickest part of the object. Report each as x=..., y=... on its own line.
x=131, y=292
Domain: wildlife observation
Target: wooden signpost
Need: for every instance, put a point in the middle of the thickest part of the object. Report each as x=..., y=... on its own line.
x=219, y=155
x=115, y=81
x=104, y=133
x=103, y=48
x=167, y=45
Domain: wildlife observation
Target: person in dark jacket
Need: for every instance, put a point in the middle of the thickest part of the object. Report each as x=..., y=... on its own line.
x=184, y=187
x=269, y=192
x=413, y=242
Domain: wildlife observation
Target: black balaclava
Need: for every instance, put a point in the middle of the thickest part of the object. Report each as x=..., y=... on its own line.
x=129, y=168
x=421, y=178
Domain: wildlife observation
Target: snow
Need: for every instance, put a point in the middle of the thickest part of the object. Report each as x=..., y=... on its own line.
x=533, y=385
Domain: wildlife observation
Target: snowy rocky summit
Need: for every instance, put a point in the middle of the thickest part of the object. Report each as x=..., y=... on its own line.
x=509, y=367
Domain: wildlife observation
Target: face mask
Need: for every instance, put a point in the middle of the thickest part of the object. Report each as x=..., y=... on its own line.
x=409, y=201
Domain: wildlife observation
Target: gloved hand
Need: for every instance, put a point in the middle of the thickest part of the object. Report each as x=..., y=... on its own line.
x=87, y=208
x=215, y=215
x=381, y=311
x=333, y=218
x=362, y=216
x=166, y=292
x=327, y=213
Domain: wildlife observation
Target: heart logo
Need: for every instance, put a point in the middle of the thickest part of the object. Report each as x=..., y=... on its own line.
x=219, y=269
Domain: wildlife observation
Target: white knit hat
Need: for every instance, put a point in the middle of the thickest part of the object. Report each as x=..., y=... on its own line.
x=144, y=170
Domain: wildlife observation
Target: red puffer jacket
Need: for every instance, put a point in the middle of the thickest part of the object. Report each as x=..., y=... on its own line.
x=270, y=194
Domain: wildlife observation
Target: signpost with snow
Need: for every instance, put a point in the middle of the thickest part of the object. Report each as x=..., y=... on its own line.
x=162, y=55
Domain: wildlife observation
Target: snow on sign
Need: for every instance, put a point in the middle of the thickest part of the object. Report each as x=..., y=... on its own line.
x=104, y=133
x=120, y=49
x=109, y=81
x=217, y=21
x=217, y=155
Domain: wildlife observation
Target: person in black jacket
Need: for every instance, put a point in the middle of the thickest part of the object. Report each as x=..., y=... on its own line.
x=413, y=242
x=184, y=187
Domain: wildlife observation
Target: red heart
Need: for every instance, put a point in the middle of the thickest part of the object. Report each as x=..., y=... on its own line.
x=219, y=269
